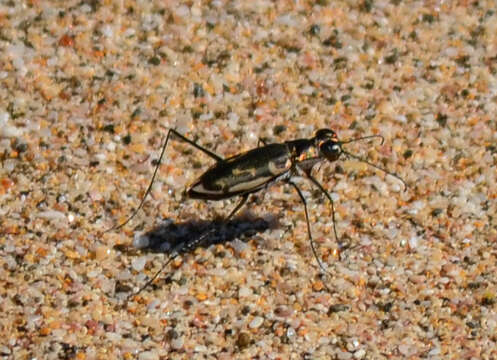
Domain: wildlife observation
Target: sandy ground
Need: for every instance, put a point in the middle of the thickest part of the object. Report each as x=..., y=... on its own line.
x=88, y=90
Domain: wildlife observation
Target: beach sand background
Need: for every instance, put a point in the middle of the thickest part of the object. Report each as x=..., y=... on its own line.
x=88, y=90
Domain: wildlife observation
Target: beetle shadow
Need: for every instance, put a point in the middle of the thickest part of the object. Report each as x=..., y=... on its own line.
x=170, y=235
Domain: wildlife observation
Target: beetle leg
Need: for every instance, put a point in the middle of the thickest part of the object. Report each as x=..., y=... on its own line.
x=181, y=137
x=237, y=207
x=195, y=145
x=187, y=246
x=328, y=196
x=174, y=255
x=304, y=202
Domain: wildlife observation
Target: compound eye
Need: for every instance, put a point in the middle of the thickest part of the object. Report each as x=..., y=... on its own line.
x=330, y=150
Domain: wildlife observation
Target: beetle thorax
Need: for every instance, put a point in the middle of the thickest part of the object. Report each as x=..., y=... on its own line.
x=308, y=153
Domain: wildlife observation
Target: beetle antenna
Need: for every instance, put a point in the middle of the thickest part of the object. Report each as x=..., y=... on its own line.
x=377, y=167
x=365, y=138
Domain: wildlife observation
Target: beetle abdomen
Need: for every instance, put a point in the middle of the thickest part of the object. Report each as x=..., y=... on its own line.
x=242, y=174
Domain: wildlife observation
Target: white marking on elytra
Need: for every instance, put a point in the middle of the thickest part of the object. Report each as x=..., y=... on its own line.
x=199, y=188
x=249, y=185
x=276, y=168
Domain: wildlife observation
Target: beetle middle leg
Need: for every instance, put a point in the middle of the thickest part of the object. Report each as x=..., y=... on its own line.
x=237, y=207
x=311, y=240
x=328, y=196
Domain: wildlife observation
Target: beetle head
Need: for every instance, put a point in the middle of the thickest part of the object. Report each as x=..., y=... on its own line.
x=327, y=142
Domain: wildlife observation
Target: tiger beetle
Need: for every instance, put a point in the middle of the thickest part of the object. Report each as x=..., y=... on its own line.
x=256, y=169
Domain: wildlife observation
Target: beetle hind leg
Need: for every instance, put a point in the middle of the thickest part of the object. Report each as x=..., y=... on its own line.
x=149, y=188
x=188, y=246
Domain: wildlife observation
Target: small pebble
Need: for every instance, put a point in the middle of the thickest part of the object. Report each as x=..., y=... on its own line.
x=404, y=349
x=200, y=349
x=102, y=252
x=283, y=311
x=256, y=322
x=344, y=355
x=238, y=246
x=10, y=131
x=4, y=118
x=177, y=343
x=413, y=242
x=141, y=241
x=290, y=333
x=359, y=354
x=52, y=215
x=148, y=355
x=139, y=263
x=243, y=340
x=434, y=352
x=244, y=292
